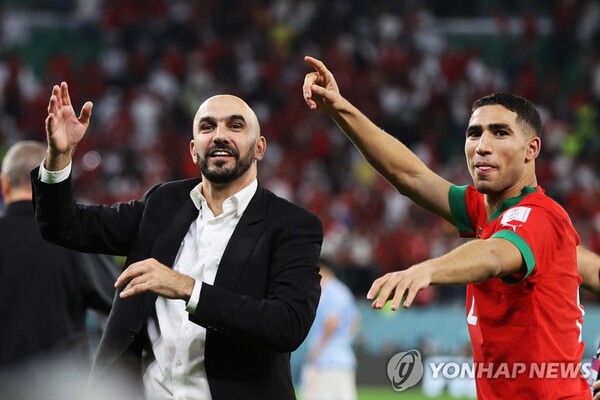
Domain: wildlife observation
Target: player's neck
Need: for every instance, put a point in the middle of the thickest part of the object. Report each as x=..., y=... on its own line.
x=493, y=201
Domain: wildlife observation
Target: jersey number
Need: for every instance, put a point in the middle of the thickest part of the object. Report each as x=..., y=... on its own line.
x=472, y=318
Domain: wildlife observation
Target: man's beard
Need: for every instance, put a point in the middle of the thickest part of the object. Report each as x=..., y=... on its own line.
x=225, y=175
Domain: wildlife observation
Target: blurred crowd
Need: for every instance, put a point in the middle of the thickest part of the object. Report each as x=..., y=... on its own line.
x=414, y=67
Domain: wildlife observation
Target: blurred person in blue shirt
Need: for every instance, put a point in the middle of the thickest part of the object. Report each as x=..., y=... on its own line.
x=329, y=372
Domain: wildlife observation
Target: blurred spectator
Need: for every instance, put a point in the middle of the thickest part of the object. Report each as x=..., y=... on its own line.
x=45, y=290
x=329, y=371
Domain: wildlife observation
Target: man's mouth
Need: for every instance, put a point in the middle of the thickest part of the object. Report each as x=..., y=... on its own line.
x=220, y=153
x=483, y=167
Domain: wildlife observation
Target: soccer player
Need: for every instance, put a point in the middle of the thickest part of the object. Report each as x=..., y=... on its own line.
x=523, y=308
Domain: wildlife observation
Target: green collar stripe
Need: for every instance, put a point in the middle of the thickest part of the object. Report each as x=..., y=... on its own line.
x=523, y=248
x=511, y=202
x=458, y=208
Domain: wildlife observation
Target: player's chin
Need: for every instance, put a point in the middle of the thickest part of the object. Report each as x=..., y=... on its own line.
x=485, y=187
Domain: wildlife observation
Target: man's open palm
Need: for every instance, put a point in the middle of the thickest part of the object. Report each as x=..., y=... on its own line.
x=63, y=128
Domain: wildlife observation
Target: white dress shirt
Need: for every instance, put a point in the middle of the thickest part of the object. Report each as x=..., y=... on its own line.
x=175, y=368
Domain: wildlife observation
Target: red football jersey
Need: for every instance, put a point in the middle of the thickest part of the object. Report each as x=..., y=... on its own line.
x=525, y=329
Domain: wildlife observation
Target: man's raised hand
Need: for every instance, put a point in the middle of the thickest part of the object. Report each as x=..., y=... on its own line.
x=64, y=129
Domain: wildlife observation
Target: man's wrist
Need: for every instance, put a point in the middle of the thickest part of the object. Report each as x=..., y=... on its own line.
x=57, y=162
x=54, y=176
x=192, y=302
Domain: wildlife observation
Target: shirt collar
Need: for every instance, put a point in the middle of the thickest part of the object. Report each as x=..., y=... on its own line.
x=238, y=201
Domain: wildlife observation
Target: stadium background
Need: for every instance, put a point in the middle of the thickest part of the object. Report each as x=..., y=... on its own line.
x=414, y=67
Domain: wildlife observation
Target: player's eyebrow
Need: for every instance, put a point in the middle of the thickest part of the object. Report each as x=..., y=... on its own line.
x=477, y=128
x=500, y=127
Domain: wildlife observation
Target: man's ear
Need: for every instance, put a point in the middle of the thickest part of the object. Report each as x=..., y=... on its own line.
x=534, y=146
x=261, y=147
x=193, y=152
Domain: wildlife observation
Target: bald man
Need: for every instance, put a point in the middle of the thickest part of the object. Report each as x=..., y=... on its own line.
x=221, y=280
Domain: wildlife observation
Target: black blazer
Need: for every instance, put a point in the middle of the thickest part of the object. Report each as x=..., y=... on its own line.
x=45, y=291
x=259, y=309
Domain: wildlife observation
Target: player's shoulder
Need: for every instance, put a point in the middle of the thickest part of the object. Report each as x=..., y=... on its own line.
x=544, y=205
x=540, y=199
x=467, y=193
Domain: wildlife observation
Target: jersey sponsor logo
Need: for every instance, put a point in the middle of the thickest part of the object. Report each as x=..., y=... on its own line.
x=515, y=217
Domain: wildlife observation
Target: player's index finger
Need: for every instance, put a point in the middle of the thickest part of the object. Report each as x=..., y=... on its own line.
x=317, y=64
x=374, y=291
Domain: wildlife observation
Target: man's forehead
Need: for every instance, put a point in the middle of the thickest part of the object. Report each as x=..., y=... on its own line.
x=492, y=114
x=223, y=107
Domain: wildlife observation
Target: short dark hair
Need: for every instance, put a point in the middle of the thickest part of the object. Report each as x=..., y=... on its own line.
x=525, y=110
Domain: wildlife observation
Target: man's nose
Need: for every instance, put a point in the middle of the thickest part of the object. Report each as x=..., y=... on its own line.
x=220, y=133
x=484, y=144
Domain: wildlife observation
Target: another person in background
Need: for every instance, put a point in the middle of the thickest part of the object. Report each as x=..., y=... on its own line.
x=521, y=269
x=45, y=290
x=221, y=280
x=329, y=371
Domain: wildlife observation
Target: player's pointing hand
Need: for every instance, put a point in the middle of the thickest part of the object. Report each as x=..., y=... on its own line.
x=320, y=90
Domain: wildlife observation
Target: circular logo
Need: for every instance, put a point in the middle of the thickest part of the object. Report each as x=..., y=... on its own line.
x=405, y=370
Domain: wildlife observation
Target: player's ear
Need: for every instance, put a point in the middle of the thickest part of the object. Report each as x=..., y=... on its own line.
x=534, y=146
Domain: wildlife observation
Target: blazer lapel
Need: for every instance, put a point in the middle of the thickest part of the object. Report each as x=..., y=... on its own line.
x=173, y=231
x=166, y=245
x=242, y=241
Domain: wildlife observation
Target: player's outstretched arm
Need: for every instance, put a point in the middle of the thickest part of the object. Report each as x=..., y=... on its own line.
x=475, y=261
x=588, y=264
x=392, y=159
x=64, y=129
